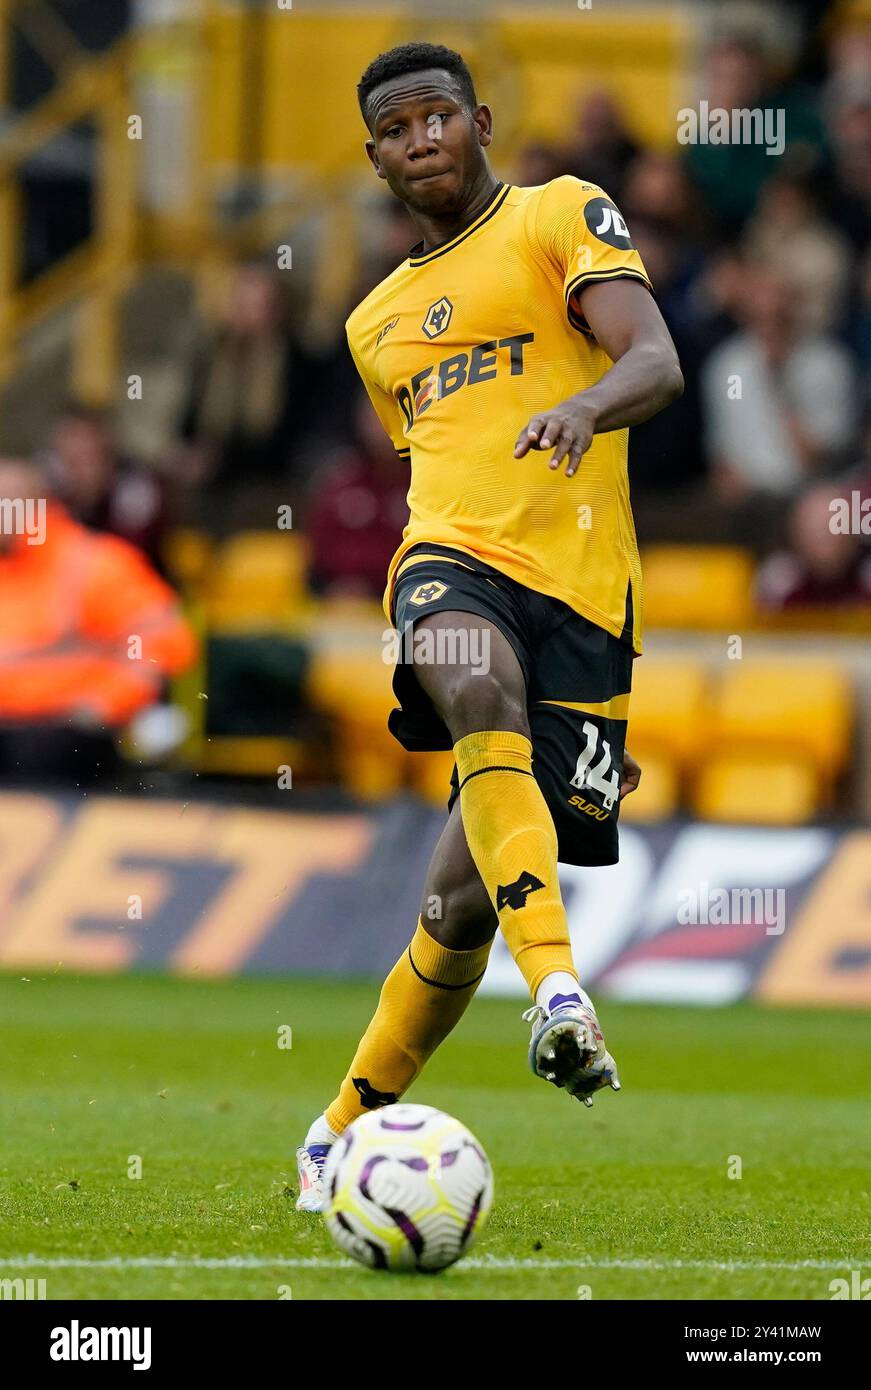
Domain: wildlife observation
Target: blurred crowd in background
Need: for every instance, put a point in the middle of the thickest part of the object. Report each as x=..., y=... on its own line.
x=762, y=268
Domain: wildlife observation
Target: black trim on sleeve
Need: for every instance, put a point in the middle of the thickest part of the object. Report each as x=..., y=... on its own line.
x=596, y=277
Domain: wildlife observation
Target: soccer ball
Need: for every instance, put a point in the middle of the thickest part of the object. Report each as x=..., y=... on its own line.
x=408, y=1187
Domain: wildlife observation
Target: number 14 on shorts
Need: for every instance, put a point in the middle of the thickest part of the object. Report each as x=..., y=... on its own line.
x=602, y=777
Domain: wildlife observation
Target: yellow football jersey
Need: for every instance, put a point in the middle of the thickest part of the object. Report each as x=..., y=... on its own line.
x=459, y=348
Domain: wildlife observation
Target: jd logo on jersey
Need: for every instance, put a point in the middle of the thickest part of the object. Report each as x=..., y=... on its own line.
x=370, y=1099
x=606, y=222
x=425, y=593
x=438, y=318
x=515, y=894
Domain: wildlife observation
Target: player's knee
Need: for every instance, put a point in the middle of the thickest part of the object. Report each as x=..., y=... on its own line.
x=482, y=702
x=458, y=912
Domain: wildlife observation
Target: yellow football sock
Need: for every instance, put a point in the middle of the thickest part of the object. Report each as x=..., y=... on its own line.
x=423, y=998
x=512, y=839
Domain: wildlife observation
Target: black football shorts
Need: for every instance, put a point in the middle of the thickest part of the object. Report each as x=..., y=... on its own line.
x=578, y=678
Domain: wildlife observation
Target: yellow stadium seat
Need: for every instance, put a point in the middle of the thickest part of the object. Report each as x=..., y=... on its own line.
x=351, y=684
x=780, y=734
x=372, y=772
x=348, y=613
x=252, y=756
x=187, y=554
x=667, y=708
x=798, y=708
x=258, y=577
x=767, y=790
x=699, y=586
x=657, y=795
x=354, y=689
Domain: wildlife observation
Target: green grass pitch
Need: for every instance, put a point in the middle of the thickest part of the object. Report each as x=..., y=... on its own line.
x=631, y=1199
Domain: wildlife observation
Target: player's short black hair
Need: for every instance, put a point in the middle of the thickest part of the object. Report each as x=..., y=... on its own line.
x=415, y=57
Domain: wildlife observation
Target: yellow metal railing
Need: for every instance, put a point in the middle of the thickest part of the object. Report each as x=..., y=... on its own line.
x=92, y=279
x=96, y=272
x=102, y=90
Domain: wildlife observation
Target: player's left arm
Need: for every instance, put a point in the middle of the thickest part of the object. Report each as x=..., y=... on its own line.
x=646, y=376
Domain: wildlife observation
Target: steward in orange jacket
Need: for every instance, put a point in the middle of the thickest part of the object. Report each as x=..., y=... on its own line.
x=88, y=631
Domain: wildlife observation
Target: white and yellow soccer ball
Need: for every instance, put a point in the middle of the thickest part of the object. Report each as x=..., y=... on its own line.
x=408, y=1187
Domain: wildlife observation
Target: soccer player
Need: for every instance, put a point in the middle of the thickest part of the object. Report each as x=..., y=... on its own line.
x=506, y=357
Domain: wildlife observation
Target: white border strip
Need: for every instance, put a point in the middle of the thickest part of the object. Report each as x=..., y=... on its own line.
x=480, y=1263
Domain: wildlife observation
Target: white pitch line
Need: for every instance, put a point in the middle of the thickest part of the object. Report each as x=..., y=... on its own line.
x=480, y=1264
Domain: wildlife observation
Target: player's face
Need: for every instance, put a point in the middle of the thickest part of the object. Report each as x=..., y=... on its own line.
x=426, y=144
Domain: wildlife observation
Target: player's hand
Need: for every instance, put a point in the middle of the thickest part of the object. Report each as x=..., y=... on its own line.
x=568, y=429
x=631, y=774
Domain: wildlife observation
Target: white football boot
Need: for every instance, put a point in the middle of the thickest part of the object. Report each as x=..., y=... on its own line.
x=567, y=1048
x=310, y=1161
